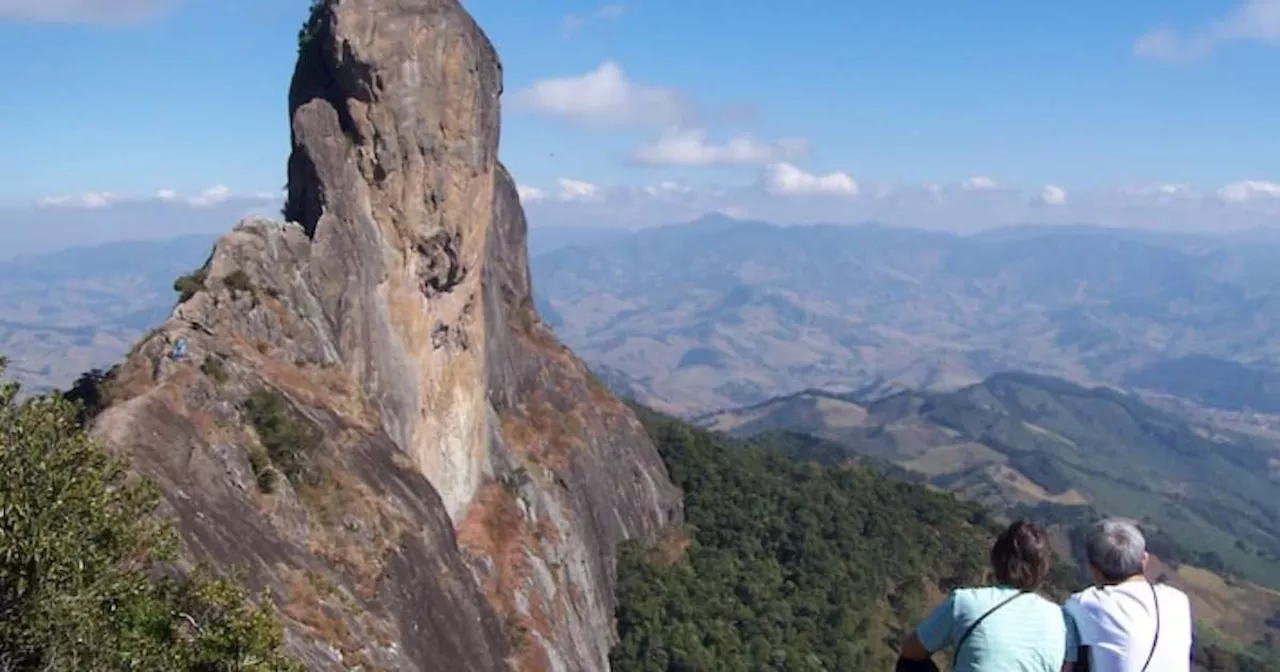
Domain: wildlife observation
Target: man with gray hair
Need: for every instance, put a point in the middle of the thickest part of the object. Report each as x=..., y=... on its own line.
x=1125, y=623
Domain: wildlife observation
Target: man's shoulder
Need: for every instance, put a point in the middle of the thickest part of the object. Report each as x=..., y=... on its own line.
x=1079, y=599
x=1171, y=590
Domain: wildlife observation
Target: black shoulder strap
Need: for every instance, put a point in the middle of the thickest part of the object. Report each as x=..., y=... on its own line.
x=1156, y=640
x=983, y=617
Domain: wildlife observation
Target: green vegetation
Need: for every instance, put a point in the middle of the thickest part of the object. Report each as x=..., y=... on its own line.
x=188, y=285
x=790, y=565
x=311, y=27
x=79, y=550
x=91, y=394
x=1212, y=381
x=288, y=441
x=1210, y=497
x=215, y=367
x=238, y=281
x=794, y=566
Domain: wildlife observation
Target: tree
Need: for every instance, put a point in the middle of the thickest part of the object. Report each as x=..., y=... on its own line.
x=81, y=548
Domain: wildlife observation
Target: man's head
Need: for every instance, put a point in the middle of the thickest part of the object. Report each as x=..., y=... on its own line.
x=1116, y=550
x=1021, y=556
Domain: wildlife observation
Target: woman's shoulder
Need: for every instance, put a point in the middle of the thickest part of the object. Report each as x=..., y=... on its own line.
x=982, y=598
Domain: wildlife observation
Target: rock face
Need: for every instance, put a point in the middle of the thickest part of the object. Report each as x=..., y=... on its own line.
x=361, y=407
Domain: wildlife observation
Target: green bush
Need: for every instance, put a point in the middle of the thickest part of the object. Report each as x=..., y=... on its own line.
x=79, y=546
x=238, y=281
x=188, y=285
x=215, y=368
x=289, y=440
x=311, y=26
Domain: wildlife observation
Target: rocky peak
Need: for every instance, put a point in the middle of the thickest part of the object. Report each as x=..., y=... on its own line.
x=361, y=406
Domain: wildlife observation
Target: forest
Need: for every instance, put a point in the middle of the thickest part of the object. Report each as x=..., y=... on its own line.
x=786, y=564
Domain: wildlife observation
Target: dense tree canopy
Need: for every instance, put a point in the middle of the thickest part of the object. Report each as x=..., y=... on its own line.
x=80, y=558
x=790, y=565
x=787, y=565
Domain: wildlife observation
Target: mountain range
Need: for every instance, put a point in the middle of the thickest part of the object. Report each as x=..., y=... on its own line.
x=720, y=313
x=66, y=312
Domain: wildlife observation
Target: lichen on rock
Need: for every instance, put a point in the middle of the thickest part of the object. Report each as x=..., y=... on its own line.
x=463, y=484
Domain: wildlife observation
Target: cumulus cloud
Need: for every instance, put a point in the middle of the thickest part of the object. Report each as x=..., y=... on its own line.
x=667, y=188
x=576, y=190
x=978, y=182
x=214, y=195
x=92, y=199
x=603, y=97
x=1249, y=190
x=573, y=22
x=1052, y=194
x=690, y=147
x=82, y=11
x=1249, y=21
x=218, y=193
x=786, y=179
x=530, y=194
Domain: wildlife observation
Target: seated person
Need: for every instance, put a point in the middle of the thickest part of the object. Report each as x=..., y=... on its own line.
x=1124, y=623
x=1002, y=628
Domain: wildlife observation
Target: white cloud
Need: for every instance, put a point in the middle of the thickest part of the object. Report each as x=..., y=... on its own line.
x=218, y=193
x=1052, y=194
x=785, y=179
x=978, y=182
x=93, y=199
x=1249, y=21
x=1160, y=192
x=667, y=188
x=82, y=11
x=214, y=195
x=603, y=97
x=530, y=194
x=576, y=190
x=1249, y=190
x=689, y=147
x=573, y=22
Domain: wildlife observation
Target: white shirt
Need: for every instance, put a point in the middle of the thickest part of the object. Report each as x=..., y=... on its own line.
x=1118, y=623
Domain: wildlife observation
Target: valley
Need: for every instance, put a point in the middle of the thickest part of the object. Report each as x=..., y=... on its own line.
x=1049, y=450
x=720, y=313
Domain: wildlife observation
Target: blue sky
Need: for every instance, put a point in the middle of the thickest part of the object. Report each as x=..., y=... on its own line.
x=130, y=97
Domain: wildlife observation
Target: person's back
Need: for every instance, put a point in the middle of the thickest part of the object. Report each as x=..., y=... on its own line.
x=1124, y=622
x=1118, y=624
x=1004, y=628
x=1027, y=634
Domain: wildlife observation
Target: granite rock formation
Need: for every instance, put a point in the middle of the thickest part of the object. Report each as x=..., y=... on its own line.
x=361, y=407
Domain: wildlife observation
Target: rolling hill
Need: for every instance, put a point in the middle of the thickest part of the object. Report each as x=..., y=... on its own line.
x=824, y=566
x=721, y=313
x=64, y=313
x=1055, y=451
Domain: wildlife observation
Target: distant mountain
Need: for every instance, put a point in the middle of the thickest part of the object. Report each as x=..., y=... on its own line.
x=721, y=313
x=66, y=312
x=1043, y=447
x=543, y=239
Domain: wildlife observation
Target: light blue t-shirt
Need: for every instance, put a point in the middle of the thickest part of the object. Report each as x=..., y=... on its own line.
x=1028, y=634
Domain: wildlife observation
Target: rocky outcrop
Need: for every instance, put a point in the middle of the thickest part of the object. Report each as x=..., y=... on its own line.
x=361, y=407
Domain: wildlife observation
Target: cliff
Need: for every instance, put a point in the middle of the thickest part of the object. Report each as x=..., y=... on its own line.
x=362, y=408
